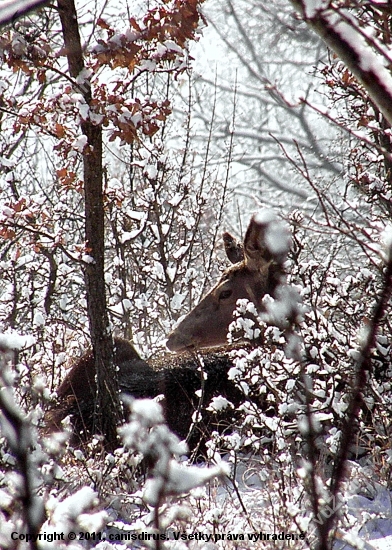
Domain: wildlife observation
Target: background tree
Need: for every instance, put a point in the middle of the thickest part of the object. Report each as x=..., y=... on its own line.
x=361, y=93
x=72, y=108
x=273, y=62
x=164, y=200
x=107, y=403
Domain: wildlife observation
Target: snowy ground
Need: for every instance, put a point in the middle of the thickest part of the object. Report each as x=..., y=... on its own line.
x=367, y=517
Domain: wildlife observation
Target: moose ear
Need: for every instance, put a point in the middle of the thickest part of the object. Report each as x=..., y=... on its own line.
x=234, y=249
x=267, y=240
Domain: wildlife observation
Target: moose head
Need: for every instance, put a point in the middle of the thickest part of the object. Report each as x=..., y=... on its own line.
x=257, y=270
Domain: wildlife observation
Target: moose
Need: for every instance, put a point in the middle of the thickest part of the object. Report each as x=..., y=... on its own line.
x=258, y=269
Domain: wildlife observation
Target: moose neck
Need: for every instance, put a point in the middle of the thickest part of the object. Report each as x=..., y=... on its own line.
x=259, y=272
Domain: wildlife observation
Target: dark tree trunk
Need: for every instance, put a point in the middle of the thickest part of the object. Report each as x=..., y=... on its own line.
x=107, y=411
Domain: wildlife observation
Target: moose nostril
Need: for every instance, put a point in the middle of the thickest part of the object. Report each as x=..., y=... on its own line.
x=171, y=342
x=177, y=342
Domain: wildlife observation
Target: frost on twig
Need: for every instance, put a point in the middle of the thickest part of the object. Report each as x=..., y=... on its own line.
x=18, y=431
x=147, y=434
x=362, y=370
x=361, y=54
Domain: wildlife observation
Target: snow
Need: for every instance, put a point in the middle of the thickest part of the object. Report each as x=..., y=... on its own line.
x=148, y=411
x=93, y=522
x=148, y=65
x=7, y=212
x=178, y=479
x=15, y=341
x=96, y=118
x=39, y=319
x=277, y=237
x=265, y=216
x=88, y=259
x=137, y=215
x=176, y=199
x=130, y=235
x=172, y=46
x=286, y=304
x=80, y=143
x=176, y=303
x=5, y=499
x=127, y=304
x=381, y=544
x=386, y=239
x=368, y=60
x=219, y=403
x=371, y=517
x=84, y=111
x=313, y=6
x=131, y=35
x=180, y=252
x=74, y=505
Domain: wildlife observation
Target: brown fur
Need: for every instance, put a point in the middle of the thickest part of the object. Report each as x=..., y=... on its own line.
x=177, y=382
x=257, y=272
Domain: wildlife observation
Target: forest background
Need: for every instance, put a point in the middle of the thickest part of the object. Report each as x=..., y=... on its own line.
x=121, y=165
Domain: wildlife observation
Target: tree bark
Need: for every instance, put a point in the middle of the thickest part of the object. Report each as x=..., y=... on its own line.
x=107, y=404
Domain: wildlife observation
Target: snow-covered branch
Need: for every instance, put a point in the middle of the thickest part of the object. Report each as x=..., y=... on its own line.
x=11, y=9
x=18, y=434
x=354, y=46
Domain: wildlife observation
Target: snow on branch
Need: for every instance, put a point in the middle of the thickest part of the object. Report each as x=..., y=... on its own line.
x=11, y=10
x=17, y=431
x=354, y=45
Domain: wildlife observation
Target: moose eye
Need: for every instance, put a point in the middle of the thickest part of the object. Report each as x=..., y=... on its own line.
x=225, y=294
